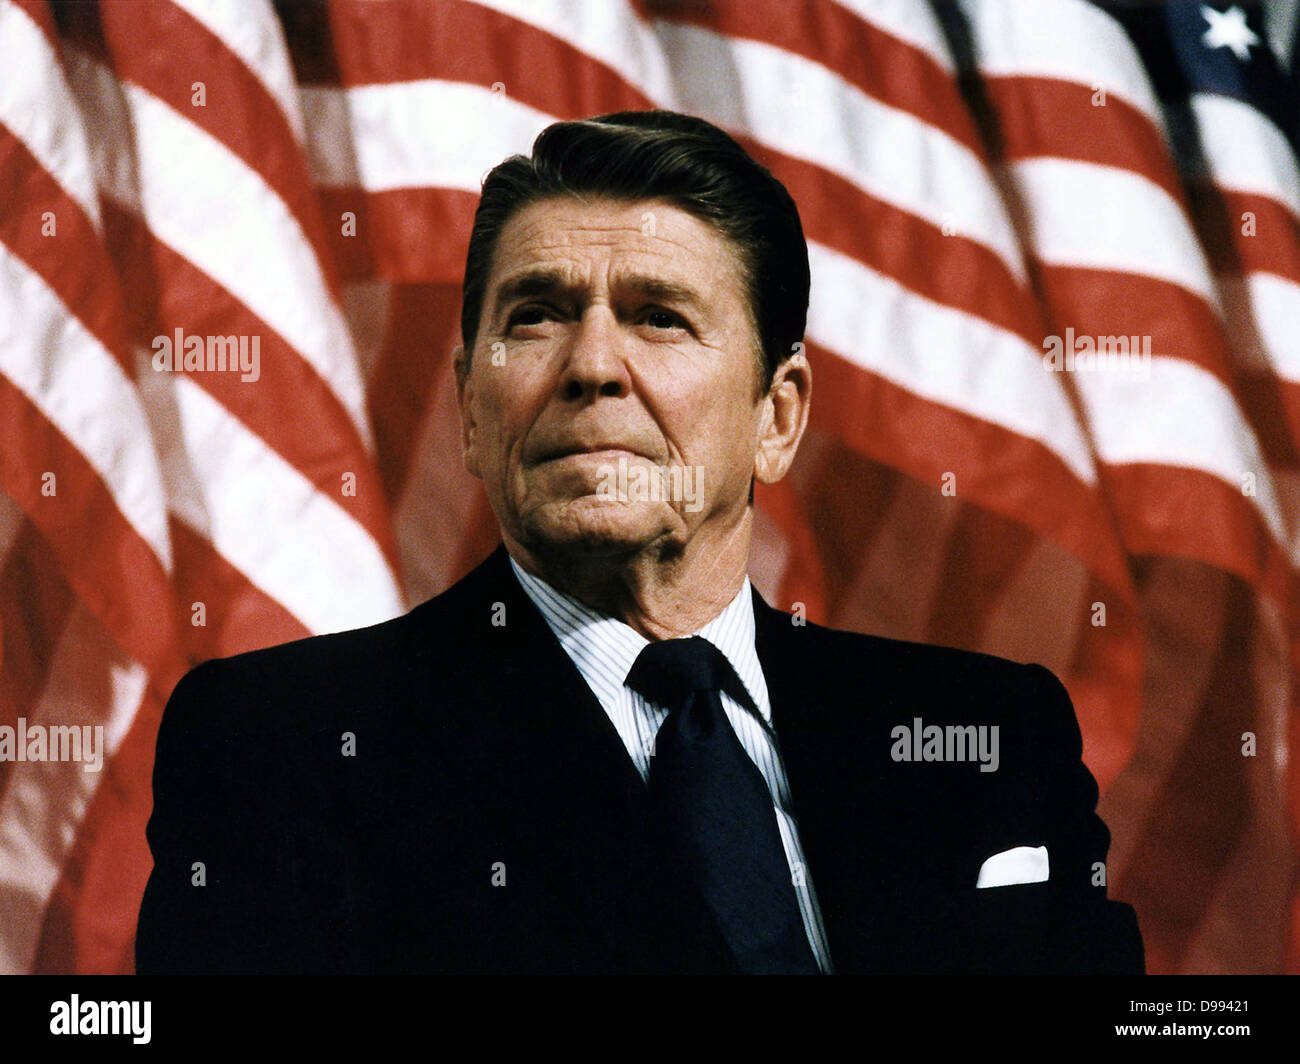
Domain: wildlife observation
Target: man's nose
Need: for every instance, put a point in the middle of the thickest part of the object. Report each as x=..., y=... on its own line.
x=595, y=363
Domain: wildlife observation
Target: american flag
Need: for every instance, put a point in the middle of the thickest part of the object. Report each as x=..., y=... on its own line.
x=981, y=184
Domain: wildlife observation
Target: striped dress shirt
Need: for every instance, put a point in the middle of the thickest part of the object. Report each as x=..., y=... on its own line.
x=604, y=649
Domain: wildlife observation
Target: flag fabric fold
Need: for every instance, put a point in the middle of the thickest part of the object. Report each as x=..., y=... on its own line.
x=1055, y=251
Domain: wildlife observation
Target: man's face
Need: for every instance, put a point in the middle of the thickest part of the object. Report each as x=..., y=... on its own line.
x=612, y=401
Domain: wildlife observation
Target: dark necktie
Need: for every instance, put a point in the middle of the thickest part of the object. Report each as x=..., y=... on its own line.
x=715, y=808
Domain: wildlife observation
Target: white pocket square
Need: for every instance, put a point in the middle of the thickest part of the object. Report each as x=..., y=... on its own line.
x=1023, y=864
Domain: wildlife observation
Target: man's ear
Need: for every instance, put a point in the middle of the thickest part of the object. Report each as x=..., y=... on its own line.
x=465, y=401
x=784, y=417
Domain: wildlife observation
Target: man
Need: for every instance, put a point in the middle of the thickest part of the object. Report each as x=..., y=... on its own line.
x=602, y=751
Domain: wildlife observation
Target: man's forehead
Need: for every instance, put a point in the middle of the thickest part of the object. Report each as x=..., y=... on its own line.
x=570, y=236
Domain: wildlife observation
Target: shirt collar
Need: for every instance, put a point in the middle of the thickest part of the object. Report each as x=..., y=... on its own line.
x=604, y=648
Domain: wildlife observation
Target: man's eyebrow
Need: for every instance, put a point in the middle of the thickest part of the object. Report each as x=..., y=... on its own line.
x=527, y=285
x=543, y=282
x=663, y=291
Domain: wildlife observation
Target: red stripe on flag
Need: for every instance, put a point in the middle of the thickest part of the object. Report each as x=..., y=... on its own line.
x=1104, y=679
x=319, y=440
x=1047, y=117
x=409, y=234
x=1272, y=244
x=1272, y=406
x=889, y=69
x=1202, y=809
x=980, y=542
x=112, y=570
x=383, y=42
x=1179, y=512
x=1108, y=303
x=35, y=604
x=415, y=362
x=238, y=111
x=947, y=268
x=72, y=260
x=1000, y=470
x=238, y=615
x=803, y=581
x=39, y=12
x=89, y=921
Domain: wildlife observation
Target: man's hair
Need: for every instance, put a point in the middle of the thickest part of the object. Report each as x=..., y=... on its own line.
x=637, y=155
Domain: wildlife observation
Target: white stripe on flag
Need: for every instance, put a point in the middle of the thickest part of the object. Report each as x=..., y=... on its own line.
x=64, y=370
x=1246, y=152
x=1274, y=306
x=414, y=134
x=37, y=106
x=295, y=543
x=802, y=109
x=610, y=31
x=204, y=202
x=1064, y=40
x=940, y=353
x=252, y=32
x=1180, y=416
x=1131, y=225
x=908, y=21
x=44, y=802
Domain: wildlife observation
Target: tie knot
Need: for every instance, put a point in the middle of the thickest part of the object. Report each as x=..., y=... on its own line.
x=669, y=670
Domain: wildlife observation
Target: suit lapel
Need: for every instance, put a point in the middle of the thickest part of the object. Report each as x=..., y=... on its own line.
x=825, y=742
x=577, y=779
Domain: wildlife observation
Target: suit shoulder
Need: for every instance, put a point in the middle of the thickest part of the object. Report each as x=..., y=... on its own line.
x=926, y=661
x=891, y=675
x=300, y=680
x=306, y=662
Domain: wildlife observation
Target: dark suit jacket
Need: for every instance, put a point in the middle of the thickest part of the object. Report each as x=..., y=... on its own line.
x=480, y=753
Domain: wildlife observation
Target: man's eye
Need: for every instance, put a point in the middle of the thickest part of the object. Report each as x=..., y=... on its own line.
x=528, y=316
x=663, y=319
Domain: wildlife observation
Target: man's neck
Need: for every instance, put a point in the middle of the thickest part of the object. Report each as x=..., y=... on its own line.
x=659, y=592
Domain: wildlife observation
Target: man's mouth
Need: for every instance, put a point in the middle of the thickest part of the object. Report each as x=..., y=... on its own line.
x=600, y=451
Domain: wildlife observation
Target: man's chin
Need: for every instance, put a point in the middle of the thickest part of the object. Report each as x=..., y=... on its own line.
x=600, y=526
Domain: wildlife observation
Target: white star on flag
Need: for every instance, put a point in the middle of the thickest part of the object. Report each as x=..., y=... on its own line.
x=1229, y=29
